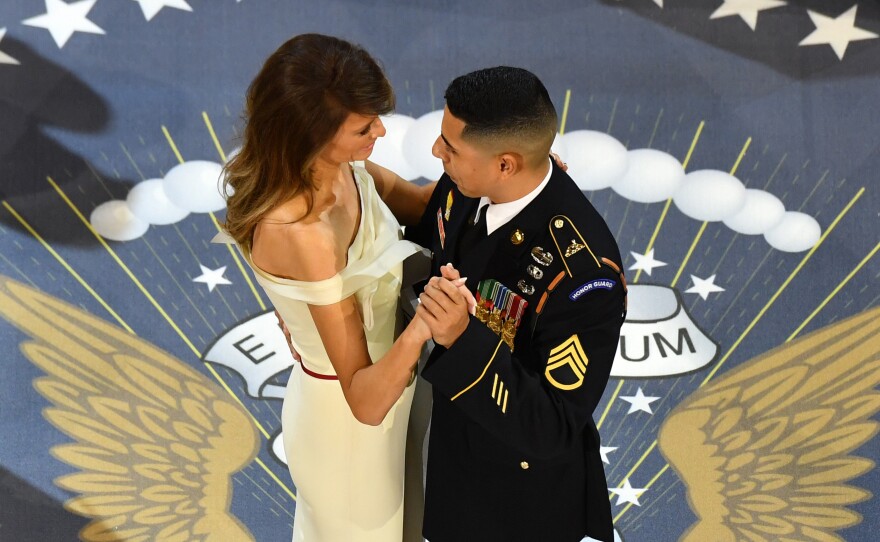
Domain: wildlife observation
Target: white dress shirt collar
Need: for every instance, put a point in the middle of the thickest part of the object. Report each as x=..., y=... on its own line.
x=499, y=214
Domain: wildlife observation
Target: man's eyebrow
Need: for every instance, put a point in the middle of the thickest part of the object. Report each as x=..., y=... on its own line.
x=446, y=141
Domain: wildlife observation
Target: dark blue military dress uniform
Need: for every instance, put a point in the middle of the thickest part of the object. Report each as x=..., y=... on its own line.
x=514, y=452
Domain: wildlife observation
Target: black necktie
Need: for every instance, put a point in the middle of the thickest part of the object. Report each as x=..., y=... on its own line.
x=473, y=234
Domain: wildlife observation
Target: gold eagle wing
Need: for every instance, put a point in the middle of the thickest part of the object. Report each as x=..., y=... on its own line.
x=766, y=450
x=155, y=442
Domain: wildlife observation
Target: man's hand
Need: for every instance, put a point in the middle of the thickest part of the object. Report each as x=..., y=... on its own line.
x=286, y=332
x=444, y=309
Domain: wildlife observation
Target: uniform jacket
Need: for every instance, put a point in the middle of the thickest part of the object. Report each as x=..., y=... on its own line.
x=513, y=451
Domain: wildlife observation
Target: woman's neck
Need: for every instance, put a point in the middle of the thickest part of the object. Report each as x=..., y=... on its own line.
x=326, y=172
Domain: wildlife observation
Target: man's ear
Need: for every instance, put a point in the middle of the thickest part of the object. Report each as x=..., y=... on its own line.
x=509, y=164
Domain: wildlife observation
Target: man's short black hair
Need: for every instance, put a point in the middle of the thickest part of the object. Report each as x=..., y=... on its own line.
x=503, y=104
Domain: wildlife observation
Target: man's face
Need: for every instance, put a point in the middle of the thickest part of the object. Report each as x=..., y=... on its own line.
x=472, y=169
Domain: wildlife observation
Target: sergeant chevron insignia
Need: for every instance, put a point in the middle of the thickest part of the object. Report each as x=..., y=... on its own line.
x=568, y=363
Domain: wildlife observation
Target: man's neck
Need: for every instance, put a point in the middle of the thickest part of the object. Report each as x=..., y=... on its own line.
x=521, y=184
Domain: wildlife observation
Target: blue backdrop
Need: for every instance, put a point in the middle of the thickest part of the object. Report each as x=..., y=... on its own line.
x=98, y=95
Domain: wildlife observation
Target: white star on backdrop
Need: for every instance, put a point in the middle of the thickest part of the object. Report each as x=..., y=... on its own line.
x=639, y=401
x=62, y=20
x=604, y=451
x=645, y=262
x=704, y=287
x=627, y=493
x=152, y=7
x=747, y=9
x=212, y=277
x=4, y=58
x=836, y=32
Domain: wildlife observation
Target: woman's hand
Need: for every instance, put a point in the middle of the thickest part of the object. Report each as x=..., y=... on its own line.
x=559, y=161
x=286, y=332
x=450, y=273
x=419, y=329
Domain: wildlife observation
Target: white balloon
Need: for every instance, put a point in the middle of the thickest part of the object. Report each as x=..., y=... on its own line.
x=760, y=213
x=114, y=220
x=559, y=148
x=148, y=202
x=710, y=195
x=196, y=186
x=595, y=160
x=651, y=176
x=796, y=232
x=388, y=150
x=417, y=144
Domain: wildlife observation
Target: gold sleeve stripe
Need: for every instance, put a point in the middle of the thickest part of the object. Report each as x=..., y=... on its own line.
x=504, y=407
x=495, y=385
x=486, y=368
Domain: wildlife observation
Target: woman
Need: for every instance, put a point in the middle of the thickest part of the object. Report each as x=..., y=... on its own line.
x=307, y=214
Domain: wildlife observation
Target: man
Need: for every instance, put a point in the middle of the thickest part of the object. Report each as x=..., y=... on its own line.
x=513, y=449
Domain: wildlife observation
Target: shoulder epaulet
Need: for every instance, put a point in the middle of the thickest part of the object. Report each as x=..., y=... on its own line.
x=575, y=253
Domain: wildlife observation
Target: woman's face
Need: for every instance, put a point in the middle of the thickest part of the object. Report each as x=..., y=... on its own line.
x=355, y=138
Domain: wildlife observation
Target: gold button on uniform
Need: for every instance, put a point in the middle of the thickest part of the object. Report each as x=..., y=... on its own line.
x=558, y=223
x=524, y=465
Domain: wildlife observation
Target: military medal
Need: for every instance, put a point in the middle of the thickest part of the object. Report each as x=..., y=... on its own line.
x=500, y=309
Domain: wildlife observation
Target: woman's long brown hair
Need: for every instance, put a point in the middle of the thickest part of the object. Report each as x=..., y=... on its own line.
x=295, y=105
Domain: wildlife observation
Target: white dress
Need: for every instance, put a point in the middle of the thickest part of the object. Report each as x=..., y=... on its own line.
x=348, y=476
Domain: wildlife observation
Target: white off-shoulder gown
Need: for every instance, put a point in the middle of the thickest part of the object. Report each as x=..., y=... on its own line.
x=348, y=476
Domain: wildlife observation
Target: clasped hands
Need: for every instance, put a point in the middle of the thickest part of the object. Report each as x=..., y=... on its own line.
x=445, y=306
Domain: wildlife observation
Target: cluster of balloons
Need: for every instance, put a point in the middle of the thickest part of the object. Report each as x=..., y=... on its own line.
x=595, y=160
x=190, y=187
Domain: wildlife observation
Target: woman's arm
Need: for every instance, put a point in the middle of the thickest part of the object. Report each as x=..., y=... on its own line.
x=406, y=200
x=310, y=252
x=370, y=389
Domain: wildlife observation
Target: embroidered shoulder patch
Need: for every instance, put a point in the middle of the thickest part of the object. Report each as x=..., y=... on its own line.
x=598, y=284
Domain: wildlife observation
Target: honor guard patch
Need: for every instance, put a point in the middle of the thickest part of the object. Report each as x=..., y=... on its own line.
x=598, y=284
x=500, y=309
x=567, y=365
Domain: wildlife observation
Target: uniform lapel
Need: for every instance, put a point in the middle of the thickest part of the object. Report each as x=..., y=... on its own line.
x=499, y=250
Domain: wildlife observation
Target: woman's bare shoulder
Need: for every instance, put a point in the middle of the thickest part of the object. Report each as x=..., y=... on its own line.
x=295, y=244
